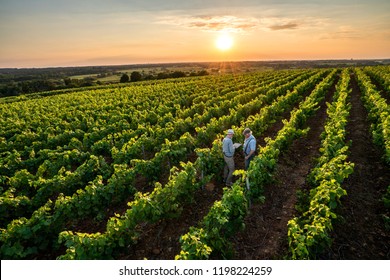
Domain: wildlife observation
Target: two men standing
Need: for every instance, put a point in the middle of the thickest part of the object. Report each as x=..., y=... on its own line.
x=229, y=148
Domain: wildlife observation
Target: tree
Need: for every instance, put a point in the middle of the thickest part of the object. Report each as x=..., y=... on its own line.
x=177, y=74
x=87, y=81
x=135, y=76
x=203, y=73
x=162, y=75
x=125, y=78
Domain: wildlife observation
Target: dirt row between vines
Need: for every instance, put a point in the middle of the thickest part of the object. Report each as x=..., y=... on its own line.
x=161, y=240
x=360, y=233
x=266, y=225
x=384, y=93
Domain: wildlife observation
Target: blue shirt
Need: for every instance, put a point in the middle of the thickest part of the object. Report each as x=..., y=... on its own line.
x=227, y=147
x=249, y=145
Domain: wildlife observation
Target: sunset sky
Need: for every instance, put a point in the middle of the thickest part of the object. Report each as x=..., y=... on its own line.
x=41, y=33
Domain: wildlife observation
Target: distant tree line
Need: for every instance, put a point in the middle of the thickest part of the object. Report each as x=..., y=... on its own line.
x=11, y=85
x=136, y=76
x=13, y=88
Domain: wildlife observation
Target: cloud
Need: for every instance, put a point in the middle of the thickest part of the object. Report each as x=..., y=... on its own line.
x=214, y=23
x=291, y=25
x=288, y=23
x=342, y=32
x=234, y=24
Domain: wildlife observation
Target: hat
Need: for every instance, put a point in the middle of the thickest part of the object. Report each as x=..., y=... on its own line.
x=230, y=131
x=247, y=131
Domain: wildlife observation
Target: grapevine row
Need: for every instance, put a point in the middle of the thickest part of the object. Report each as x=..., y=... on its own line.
x=137, y=145
x=226, y=216
x=381, y=75
x=379, y=116
x=122, y=230
x=52, y=217
x=310, y=231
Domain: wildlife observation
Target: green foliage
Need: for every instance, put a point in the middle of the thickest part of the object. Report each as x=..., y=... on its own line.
x=378, y=113
x=194, y=246
x=163, y=202
x=310, y=232
x=85, y=152
x=210, y=160
x=224, y=219
x=125, y=78
x=226, y=216
x=23, y=238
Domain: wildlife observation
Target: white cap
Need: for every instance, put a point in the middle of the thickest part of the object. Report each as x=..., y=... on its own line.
x=230, y=131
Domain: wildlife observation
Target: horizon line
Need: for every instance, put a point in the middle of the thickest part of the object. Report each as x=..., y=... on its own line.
x=197, y=62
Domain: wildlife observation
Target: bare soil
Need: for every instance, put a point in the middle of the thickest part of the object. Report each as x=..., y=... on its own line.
x=161, y=240
x=360, y=233
x=266, y=226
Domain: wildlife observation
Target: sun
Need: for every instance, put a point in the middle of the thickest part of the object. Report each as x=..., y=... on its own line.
x=224, y=42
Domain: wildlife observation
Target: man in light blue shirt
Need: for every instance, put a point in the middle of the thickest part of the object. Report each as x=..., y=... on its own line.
x=249, y=147
x=228, y=155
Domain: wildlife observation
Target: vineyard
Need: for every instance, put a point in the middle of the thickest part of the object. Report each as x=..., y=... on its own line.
x=135, y=171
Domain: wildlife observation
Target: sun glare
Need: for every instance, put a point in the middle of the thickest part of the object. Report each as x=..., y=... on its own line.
x=224, y=42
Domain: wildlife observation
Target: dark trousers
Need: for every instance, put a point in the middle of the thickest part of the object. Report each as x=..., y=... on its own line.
x=247, y=161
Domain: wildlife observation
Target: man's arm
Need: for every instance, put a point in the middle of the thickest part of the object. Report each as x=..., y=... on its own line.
x=252, y=149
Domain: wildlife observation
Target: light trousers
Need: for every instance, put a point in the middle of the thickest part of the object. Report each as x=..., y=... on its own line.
x=228, y=170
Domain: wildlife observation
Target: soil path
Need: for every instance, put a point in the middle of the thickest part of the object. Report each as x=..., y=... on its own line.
x=266, y=226
x=360, y=234
x=385, y=94
x=161, y=240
